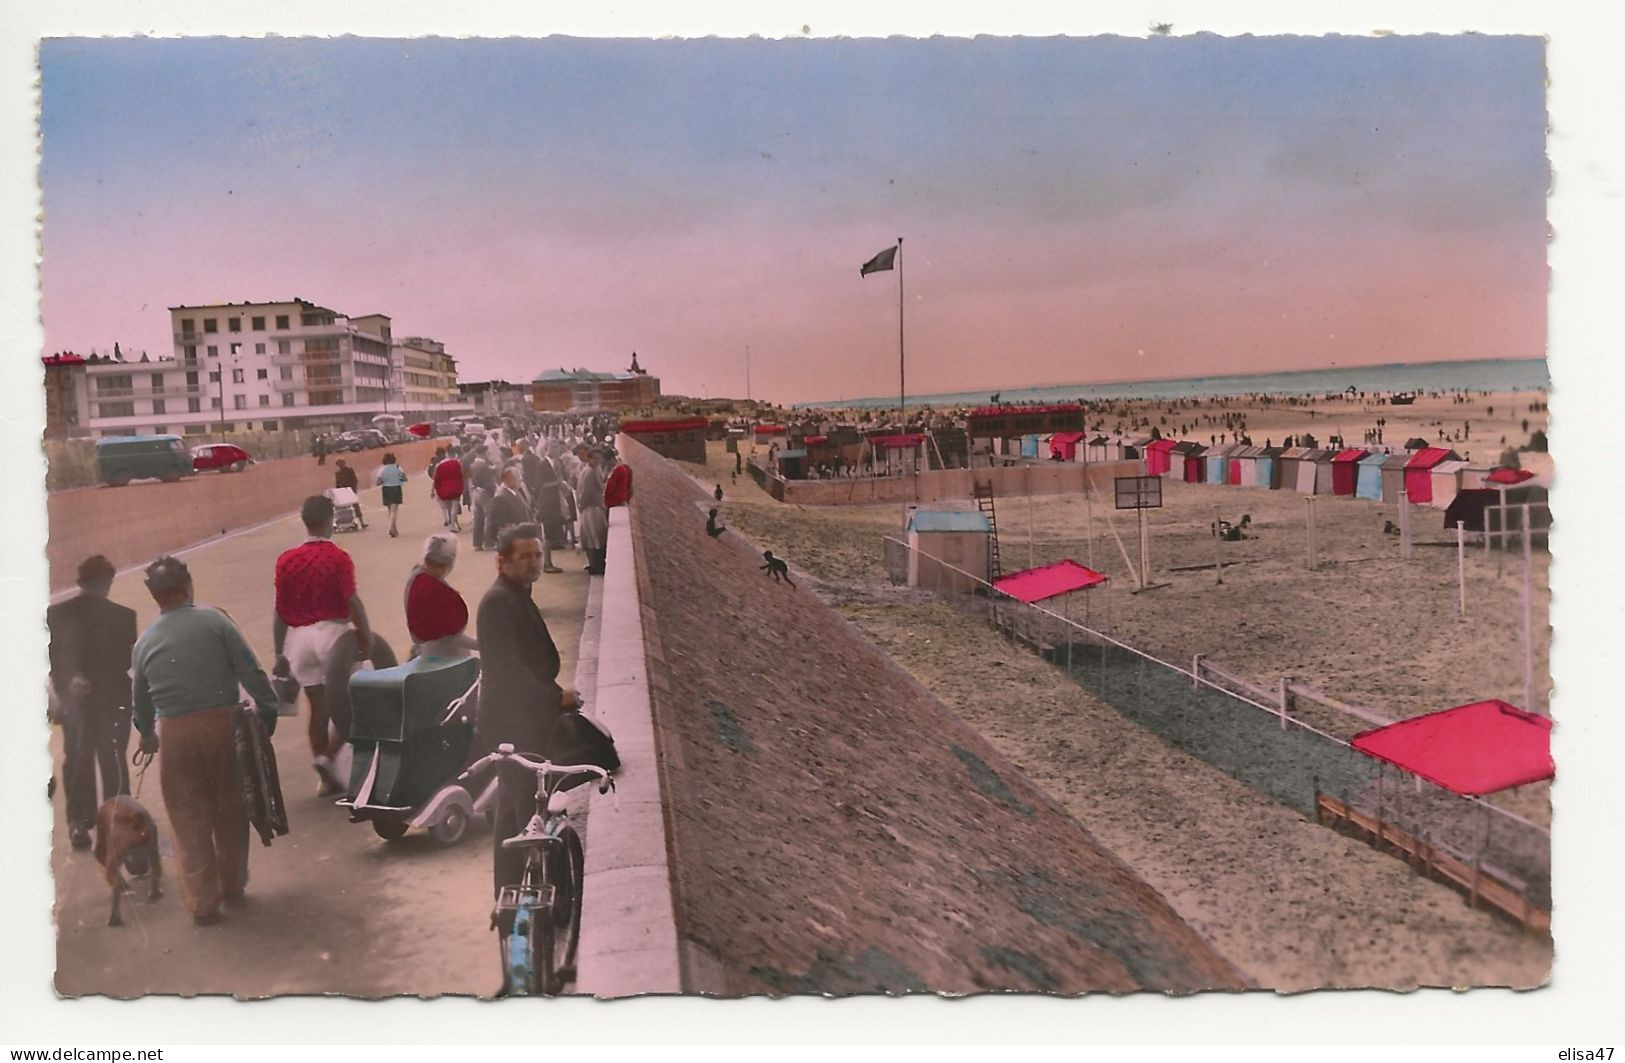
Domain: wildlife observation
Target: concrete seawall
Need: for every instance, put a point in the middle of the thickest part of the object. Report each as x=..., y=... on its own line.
x=831, y=828
x=132, y=524
x=1058, y=478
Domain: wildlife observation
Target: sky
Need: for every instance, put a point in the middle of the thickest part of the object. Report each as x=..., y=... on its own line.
x=1073, y=210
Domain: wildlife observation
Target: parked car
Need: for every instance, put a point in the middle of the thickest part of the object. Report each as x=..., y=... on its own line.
x=349, y=441
x=120, y=459
x=373, y=437
x=223, y=456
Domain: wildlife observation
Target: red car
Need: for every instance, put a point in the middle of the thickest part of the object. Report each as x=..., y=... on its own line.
x=222, y=456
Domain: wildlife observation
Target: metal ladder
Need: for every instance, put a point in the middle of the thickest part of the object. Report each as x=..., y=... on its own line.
x=984, y=502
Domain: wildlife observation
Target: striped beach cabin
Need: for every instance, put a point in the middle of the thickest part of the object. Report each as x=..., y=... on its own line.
x=1368, y=484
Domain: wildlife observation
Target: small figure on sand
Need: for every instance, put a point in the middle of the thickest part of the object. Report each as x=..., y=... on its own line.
x=717, y=494
x=776, y=568
x=712, y=528
x=1234, y=533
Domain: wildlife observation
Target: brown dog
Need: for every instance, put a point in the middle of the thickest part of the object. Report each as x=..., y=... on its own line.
x=123, y=828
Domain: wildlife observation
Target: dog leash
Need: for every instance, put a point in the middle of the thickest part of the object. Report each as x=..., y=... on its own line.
x=142, y=761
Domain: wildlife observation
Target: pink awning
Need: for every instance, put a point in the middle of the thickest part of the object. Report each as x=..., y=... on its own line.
x=1049, y=581
x=898, y=442
x=1471, y=749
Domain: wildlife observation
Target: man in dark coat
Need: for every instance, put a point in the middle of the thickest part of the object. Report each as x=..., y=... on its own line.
x=507, y=505
x=91, y=643
x=549, y=499
x=520, y=698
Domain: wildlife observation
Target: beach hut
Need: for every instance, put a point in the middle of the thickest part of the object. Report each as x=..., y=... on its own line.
x=1029, y=446
x=1419, y=471
x=1063, y=446
x=1368, y=484
x=793, y=464
x=1325, y=462
x=1287, y=467
x=1473, y=478
x=1269, y=467
x=960, y=538
x=1246, y=464
x=1393, y=477
x=1446, y=482
x=1307, y=464
x=1100, y=448
x=1218, y=467
x=1157, y=456
x=1346, y=471
x=1189, y=463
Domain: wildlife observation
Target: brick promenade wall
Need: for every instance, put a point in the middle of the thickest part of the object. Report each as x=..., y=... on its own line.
x=134, y=524
x=833, y=828
x=1057, y=478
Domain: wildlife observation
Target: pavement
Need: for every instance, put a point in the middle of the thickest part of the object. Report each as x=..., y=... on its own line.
x=331, y=907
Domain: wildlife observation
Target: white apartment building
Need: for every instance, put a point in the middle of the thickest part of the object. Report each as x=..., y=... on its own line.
x=248, y=366
x=427, y=374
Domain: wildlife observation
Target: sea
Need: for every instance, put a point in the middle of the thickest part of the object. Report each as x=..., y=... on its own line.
x=1489, y=374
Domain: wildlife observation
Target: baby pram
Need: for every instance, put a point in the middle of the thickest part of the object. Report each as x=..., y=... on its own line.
x=346, y=508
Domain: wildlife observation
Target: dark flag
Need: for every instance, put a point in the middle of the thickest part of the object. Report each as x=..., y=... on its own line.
x=881, y=261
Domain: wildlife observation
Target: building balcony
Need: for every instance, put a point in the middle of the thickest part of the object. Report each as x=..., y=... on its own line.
x=309, y=358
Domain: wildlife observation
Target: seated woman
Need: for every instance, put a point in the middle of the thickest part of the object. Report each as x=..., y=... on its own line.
x=436, y=614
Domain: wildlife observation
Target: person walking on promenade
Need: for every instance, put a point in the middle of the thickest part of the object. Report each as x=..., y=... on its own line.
x=436, y=614
x=316, y=606
x=448, y=488
x=392, y=478
x=344, y=476
x=91, y=643
x=593, y=524
x=550, y=501
x=189, y=664
x=482, y=484
x=520, y=697
x=465, y=460
x=318, y=449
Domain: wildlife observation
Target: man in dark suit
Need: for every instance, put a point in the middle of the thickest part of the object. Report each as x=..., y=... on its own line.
x=507, y=505
x=520, y=698
x=91, y=643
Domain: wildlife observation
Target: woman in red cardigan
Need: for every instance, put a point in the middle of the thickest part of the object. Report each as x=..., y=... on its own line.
x=436, y=614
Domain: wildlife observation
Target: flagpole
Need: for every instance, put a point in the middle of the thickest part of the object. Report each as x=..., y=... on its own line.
x=902, y=380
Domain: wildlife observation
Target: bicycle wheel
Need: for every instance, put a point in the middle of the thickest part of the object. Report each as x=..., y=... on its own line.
x=567, y=902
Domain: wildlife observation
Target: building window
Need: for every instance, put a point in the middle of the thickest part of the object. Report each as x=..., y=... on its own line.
x=158, y=407
x=211, y=325
x=287, y=398
x=196, y=429
x=188, y=324
x=265, y=400
x=157, y=381
x=118, y=409
x=268, y=426
x=284, y=347
x=234, y=324
x=236, y=349
x=160, y=429
x=191, y=379
x=259, y=324
x=190, y=351
x=194, y=406
x=212, y=351
x=214, y=376
x=239, y=402
x=259, y=348
x=262, y=374
x=282, y=321
x=228, y=427
x=214, y=403
x=286, y=372
x=236, y=376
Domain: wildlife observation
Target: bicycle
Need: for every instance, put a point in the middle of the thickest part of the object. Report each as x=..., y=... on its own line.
x=539, y=950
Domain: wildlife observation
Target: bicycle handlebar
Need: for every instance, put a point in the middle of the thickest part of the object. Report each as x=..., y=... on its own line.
x=544, y=768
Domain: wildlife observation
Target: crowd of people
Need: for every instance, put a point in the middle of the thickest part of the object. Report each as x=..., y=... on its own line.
x=178, y=683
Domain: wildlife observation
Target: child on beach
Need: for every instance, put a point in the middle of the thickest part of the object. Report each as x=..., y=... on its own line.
x=776, y=568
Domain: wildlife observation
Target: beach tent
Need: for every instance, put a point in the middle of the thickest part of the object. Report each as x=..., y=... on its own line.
x=1346, y=471
x=1306, y=471
x=1099, y=448
x=1245, y=464
x=1063, y=446
x=1419, y=471
x=1393, y=477
x=1287, y=467
x=1269, y=466
x=1218, y=464
x=1188, y=462
x=1446, y=482
x=1474, y=749
x=957, y=538
x=1157, y=460
x=1368, y=483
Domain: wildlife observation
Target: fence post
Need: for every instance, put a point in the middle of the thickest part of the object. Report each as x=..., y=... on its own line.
x=1282, y=695
x=1196, y=671
x=1461, y=569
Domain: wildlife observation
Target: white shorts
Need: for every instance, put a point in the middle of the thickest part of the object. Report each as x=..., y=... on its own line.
x=309, y=650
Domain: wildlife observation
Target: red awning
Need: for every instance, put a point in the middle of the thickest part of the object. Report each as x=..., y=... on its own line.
x=813, y=441
x=1470, y=749
x=1508, y=476
x=1162, y=446
x=1352, y=454
x=1428, y=457
x=1065, y=438
x=1048, y=581
x=900, y=442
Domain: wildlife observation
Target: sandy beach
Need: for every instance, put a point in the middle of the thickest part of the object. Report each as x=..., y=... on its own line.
x=1293, y=904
